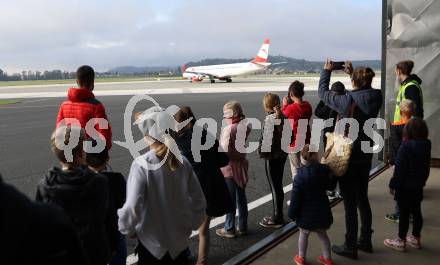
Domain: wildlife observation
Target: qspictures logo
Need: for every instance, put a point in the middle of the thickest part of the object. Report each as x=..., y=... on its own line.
x=156, y=124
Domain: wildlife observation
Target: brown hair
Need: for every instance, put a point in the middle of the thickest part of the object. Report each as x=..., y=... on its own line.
x=237, y=110
x=405, y=67
x=308, y=155
x=363, y=77
x=162, y=150
x=416, y=129
x=270, y=101
x=297, y=89
x=65, y=133
x=185, y=113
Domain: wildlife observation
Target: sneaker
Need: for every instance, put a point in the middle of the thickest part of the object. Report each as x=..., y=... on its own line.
x=413, y=242
x=269, y=222
x=396, y=244
x=226, y=234
x=324, y=261
x=392, y=217
x=332, y=195
x=299, y=260
x=242, y=232
x=339, y=195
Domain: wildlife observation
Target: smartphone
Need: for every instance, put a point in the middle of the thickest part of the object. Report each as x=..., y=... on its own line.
x=338, y=65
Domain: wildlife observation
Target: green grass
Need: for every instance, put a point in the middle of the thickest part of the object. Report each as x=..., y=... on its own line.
x=8, y=101
x=73, y=81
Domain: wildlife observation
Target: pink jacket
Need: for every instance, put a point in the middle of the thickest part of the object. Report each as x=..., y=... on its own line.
x=238, y=164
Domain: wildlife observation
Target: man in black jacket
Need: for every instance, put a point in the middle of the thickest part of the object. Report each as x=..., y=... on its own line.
x=33, y=233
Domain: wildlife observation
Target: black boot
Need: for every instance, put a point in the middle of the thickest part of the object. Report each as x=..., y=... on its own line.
x=345, y=251
x=364, y=244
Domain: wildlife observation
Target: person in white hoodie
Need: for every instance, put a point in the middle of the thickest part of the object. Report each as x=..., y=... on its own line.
x=164, y=199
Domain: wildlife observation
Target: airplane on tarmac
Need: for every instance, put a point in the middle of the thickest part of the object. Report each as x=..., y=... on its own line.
x=227, y=71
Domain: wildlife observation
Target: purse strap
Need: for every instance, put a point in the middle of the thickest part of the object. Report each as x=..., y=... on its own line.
x=350, y=115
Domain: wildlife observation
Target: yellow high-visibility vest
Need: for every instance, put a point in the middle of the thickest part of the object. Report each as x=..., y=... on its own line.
x=401, y=97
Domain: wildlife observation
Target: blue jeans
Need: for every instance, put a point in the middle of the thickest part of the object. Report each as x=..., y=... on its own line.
x=239, y=196
x=121, y=254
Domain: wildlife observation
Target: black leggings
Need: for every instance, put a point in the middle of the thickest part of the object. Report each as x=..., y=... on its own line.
x=408, y=207
x=274, y=172
x=354, y=188
x=146, y=258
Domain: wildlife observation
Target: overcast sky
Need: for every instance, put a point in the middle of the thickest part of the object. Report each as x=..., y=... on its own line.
x=54, y=34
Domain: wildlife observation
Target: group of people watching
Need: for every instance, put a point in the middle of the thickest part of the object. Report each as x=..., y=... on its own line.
x=89, y=210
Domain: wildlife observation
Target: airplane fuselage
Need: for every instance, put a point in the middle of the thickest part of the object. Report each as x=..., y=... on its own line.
x=224, y=70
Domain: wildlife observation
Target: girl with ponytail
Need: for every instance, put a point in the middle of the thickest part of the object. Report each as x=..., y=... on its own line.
x=165, y=202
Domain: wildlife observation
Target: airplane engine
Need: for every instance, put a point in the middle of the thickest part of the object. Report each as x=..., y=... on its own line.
x=198, y=78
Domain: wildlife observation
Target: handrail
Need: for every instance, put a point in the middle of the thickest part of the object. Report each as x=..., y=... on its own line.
x=272, y=240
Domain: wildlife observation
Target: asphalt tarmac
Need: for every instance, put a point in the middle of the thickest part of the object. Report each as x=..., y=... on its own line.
x=25, y=155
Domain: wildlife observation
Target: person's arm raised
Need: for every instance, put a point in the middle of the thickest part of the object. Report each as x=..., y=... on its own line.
x=339, y=103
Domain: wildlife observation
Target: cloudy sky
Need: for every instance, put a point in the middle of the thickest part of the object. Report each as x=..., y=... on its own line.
x=57, y=34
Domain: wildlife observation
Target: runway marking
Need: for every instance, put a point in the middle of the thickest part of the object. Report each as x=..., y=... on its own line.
x=131, y=259
x=160, y=91
x=37, y=100
x=39, y=106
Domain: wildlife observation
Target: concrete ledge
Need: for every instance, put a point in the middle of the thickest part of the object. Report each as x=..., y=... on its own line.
x=382, y=203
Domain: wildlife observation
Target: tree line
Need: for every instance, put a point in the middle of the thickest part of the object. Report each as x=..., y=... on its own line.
x=36, y=75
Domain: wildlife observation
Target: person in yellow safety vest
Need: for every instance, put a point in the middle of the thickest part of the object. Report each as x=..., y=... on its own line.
x=410, y=88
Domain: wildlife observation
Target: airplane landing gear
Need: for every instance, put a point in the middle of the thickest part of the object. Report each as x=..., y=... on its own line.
x=212, y=81
x=229, y=80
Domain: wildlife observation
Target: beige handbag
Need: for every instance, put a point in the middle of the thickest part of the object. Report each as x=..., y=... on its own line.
x=338, y=150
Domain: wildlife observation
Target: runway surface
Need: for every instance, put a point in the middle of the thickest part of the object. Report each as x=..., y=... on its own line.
x=251, y=84
x=25, y=129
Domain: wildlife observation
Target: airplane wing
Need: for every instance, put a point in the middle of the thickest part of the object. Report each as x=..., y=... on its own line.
x=202, y=73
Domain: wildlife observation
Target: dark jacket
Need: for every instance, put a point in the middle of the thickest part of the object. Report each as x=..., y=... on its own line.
x=411, y=170
x=324, y=112
x=35, y=233
x=274, y=151
x=84, y=196
x=396, y=135
x=117, y=187
x=208, y=172
x=309, y=205
x=413, y=93
x=368, y=102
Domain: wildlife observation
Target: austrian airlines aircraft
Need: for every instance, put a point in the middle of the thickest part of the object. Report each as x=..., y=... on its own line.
x=227, y=71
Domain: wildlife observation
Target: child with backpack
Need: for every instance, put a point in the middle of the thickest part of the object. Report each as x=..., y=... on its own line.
x=411, y=172
x=310, y=206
